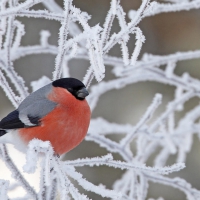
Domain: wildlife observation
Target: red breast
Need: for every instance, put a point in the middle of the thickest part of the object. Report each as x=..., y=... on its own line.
x=66, y=126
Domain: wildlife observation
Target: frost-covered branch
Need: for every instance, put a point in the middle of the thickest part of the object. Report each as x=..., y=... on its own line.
x=122, y=165
x=78, y=40
x=157, y=8
x=16, y=173
x=178, y=183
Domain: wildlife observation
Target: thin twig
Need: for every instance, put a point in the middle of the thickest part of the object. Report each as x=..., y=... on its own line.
x=16, y=173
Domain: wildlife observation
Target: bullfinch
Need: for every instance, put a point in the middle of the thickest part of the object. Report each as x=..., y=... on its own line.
x=57, y=112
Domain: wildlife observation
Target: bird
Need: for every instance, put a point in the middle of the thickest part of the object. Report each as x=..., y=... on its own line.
x=57, y=112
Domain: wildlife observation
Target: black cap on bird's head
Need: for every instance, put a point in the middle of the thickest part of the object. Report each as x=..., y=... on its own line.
x=74, y=86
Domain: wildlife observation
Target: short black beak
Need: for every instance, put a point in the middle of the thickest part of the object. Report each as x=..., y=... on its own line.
x=82, y=93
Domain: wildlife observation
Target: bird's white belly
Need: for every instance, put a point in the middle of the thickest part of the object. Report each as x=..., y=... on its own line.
x=12, y=138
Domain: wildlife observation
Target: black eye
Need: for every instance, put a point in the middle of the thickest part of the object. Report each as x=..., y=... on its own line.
x=70, y=89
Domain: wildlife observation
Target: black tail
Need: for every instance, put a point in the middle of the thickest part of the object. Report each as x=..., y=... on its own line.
x=2, y=132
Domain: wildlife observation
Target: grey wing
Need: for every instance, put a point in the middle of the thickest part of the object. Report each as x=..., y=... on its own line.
x=30, y=111
x=36, y=106
x=40, y=94
x=32, y=114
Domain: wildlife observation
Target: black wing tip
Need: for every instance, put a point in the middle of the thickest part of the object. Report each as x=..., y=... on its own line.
x=34, y=120
x=11, y=121
x=2, y=132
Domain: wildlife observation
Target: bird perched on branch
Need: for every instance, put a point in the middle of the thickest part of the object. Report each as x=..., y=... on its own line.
x=57, y=112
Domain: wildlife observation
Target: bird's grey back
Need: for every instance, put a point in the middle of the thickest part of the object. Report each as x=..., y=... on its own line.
x=30, y=112
x=37, y=105
x=39, y=94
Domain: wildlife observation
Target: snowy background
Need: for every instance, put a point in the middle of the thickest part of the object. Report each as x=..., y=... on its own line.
x=171, y=135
